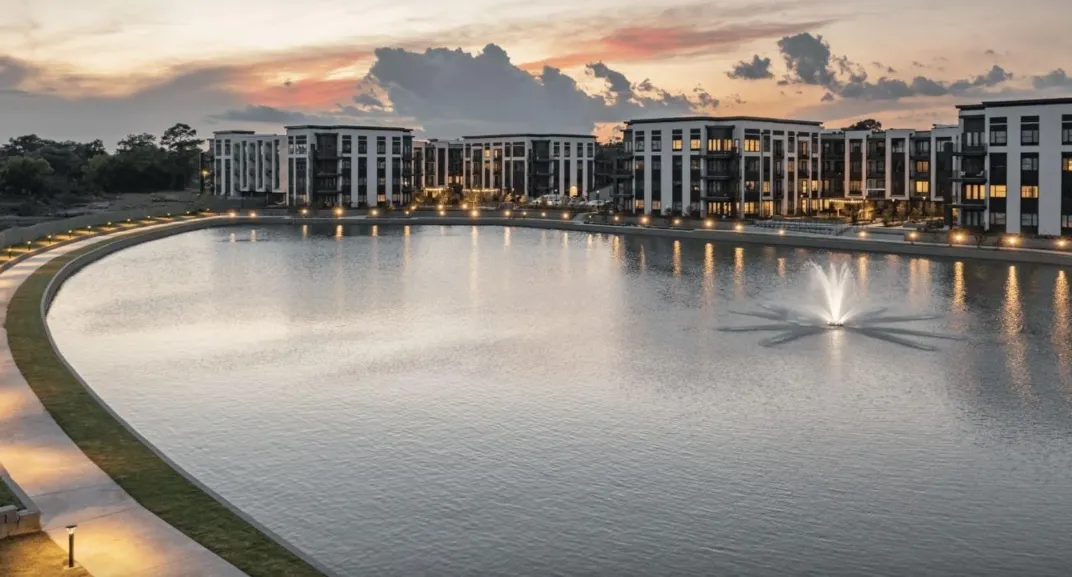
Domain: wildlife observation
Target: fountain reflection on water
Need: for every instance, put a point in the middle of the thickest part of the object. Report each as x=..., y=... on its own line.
x=835, y=302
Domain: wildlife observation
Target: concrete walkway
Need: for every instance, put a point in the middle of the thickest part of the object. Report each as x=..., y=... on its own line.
x=116, y=536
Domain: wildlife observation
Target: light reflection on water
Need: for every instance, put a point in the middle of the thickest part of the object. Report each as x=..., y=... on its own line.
x=433, y=403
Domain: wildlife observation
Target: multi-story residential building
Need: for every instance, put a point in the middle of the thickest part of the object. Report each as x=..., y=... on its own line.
x=248, y=164
x=614, y=176
x=529, y=165
x=874, y=170
x=732, y=166
x=1016, y=166
x=437, y=166
x=355, y=166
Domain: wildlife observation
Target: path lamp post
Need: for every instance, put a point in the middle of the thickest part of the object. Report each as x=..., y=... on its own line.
x=70, y=545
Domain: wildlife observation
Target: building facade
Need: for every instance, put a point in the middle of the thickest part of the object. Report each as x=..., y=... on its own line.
x=1016, y=166
x=349, y=166
x=247, y=164
x=532, y=165
x=733, y=166
x=760, y=167
x=437, y=166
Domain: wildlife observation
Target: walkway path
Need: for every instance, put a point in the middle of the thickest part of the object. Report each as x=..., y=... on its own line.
x=116, y=536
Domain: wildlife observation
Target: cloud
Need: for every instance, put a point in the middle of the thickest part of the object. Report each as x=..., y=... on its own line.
x=807, y=60
x=828, y=97
x=656, y=42
x=452, y=92
x=757, y=69
x=1052, y=79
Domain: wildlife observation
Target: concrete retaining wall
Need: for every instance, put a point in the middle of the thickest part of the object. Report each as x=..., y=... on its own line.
x=16, y=521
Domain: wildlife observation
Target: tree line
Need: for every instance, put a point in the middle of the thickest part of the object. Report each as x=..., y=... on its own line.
x=37, y=172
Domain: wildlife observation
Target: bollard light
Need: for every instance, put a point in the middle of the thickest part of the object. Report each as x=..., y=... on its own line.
x=616, y=219
x=643, y=220
x=862, y=234
x=338, y=212
x=543, y=214
x=565, y=216
x=1062, y=243
x=253, y=214
x=507, y=213
x=304, y=211
x=70, y=545
x=738, y=227
x=442, y=213
x=781, y=231
x=677, y=221
x=1011, y=240
x=709, y=223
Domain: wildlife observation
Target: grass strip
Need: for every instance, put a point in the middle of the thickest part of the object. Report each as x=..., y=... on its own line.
x=133, y=466
x=35, y=555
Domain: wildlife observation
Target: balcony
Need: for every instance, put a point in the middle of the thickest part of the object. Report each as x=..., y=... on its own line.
x=919, y=154
x=876, y=193
x=974, y=177
x=976, y=150
x=728, y=153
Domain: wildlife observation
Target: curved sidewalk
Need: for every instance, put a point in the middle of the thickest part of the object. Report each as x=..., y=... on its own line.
x=116, y=536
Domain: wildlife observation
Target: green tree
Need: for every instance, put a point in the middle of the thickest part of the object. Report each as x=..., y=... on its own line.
x=866, y=124
x=182, y=144
x=26, y=176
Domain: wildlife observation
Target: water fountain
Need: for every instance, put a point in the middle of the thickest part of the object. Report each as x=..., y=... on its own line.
x=835, y=302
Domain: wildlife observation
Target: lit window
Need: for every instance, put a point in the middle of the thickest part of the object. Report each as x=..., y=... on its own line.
x=751, y=145
x=694, y=143
x=676, y=143
x=923, y=187
x=973, y=192
x=1066, y=164
x=997, y=191
x=1029, y=191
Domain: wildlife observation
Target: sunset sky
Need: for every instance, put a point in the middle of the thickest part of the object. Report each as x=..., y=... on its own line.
x=113, y=67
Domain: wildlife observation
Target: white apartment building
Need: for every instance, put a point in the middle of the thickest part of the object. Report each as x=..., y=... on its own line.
x=529, y=164
x=351, y=166
x=732, y=166
x=437, y=164
x=248, y=164
x=1016, y=166
x=747, y=166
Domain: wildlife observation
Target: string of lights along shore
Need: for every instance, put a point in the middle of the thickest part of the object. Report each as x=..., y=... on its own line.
x=1005, y=166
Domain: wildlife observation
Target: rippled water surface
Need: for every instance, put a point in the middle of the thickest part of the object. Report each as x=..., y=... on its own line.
x=463, y=401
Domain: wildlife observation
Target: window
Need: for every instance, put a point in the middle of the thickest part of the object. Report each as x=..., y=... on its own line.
x=362, y=145
x=676, y=143
x=381, y=145
x=999, y=136
x=923, y=166
x=580, y=150
x=997, y=218
x=974, y=192
x=566, y=149
x=766, y=187
x=1029, y=163
x=1029, y=191
x=751, y=144
x=656, y=143
x=923, y=187
x=347, y=144
x=1066, y=221
x=1066, y=164
x=1029, y=134
x=591, y=148
x=694, y=140
x=1029, y=219
x=396, y=145
x=554, y=148
x=1066, y=133
x=997, y=191
x=855, y=146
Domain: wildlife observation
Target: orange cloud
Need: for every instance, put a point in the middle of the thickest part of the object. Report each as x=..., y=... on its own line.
x=643, y=43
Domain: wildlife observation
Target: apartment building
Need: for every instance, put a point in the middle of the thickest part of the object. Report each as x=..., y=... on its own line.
x=529, y=165
x=248, y=164
x=349, y=166
x=437, y=166
x=730, y=166
x=1016, y=166
x=911, y=170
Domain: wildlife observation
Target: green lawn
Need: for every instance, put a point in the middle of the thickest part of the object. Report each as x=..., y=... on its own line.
x=35, y=555
x=148, y=479
x=7, y=497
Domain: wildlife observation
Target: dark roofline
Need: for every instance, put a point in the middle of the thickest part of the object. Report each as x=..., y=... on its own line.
x=1006, y=103
x=234, y=132
x=346, y=127
x=722, y=119
x=527, y=135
